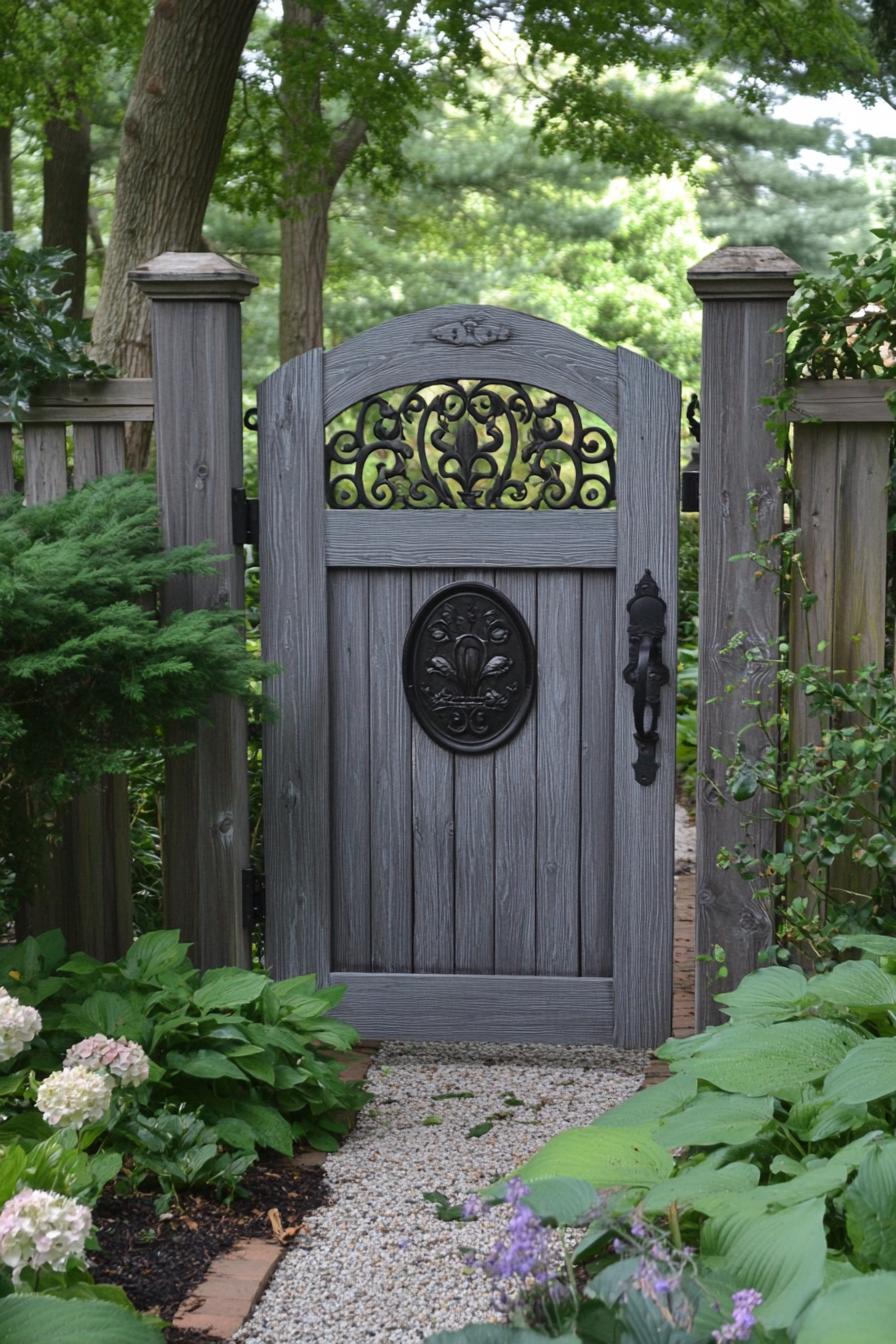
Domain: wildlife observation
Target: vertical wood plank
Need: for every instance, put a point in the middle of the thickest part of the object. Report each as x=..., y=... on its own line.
x=7, y=476
x=350, y=768
x=599, y=686
x=433, y=804
x=474, y=846
x=559, y=795
x=52, y=906
x=197, y=374
x=102, y=815
x=391, y=810
x=744, y=293
x=644, y=844
x=99, y=450
x=841, y=477
x=294, y=634
x=46, y=473
x=516, y=812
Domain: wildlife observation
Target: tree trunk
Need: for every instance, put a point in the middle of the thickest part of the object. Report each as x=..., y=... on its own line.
x=66, y=195
x=304, y=239
x=7, y=213
x=304, y=229
x=171, y=143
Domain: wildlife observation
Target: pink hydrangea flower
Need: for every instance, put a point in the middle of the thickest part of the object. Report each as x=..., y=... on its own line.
x=19, y=1025
x=39, y=1228
x=125, y=1060
x=75, y=1096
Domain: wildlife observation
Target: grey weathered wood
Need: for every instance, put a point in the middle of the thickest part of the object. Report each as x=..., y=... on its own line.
x=51, y=905
x=474, y=846
x=433, y=805
x=644, y=846
x=745, y=300
x=102, y=814
x=464, y=849
x=294, y=634
x=563, y=1009
x=198, y=419
x=391, y=810
x=516, y=812
x=350, y=768
x=841, y=479
x=99, y=451
x=46, y=472
x=844, y=400
x=119, y=399
x=558, y=756
x=571, y=539
x=7, y=475
x=599, y=681
x=405, y=351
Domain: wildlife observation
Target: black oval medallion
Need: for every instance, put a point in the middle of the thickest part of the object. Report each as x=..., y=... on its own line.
x=469, y=668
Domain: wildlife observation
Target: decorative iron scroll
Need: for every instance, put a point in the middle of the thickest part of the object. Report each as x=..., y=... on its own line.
x=474, y=444
x=469, y=668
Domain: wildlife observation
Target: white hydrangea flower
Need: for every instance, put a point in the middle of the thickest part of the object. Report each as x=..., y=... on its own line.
x=39, y=1228
x=74, y=1096
x=125, y=1060
x=19, y=1025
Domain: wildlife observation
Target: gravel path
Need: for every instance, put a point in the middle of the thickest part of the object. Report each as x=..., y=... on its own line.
x=376, y=1264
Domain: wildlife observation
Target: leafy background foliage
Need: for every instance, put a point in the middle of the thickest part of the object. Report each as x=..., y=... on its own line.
x=39, y=340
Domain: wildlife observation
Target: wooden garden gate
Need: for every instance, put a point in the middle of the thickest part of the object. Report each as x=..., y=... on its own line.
x=468, y=529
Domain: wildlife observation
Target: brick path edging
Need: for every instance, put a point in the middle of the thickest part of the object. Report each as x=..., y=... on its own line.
x=236, y=1279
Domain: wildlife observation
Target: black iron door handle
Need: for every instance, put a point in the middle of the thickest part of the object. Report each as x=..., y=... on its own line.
x=646, y=672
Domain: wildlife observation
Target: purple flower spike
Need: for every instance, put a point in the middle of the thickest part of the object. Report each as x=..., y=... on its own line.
x=740, y=1327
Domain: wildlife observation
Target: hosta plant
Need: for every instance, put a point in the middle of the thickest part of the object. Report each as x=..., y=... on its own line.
x=198, y=1071
x=765, y=1165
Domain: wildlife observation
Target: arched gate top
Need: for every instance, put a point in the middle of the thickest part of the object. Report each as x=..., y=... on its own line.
x=472, y=341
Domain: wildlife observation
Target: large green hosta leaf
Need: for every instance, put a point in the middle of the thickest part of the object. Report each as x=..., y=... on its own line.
x=715, y=1117
x=651, y=1104
x=866, y=1073
x=776, y=1060
x=603, y=1157
x=859, y=985
x=856, y=1311
x=37, y=1319
x=877, y=944
x=704, y=1188
x=871, y=1208
x=561, y=1200
x=770, y=995
x=780, y=1254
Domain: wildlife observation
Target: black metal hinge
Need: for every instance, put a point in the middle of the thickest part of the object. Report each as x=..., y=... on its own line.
x=253, y=898
x=245, y=519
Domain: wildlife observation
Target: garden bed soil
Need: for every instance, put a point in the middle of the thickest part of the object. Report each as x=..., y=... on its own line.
x=158, y=1261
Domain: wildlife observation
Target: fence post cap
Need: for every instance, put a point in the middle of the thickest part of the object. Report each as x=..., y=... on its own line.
x=206, y=276
x=744, y=273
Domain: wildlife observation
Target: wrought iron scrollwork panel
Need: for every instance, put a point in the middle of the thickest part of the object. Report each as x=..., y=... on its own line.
x=469, y=668
x=469, y=443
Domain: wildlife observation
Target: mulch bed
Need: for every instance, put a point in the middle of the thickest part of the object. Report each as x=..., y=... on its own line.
x=159, y=1261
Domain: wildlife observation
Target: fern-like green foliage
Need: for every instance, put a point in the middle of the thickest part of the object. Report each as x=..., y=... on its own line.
x=39, y=339
x=88, y=670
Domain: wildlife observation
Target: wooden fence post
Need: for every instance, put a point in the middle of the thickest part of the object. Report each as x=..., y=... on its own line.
x=744, y=291
x=198, y=425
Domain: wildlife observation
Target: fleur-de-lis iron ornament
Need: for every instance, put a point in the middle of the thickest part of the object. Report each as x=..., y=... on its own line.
x=474, y=329
x=474, y=444
x=469, y=668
